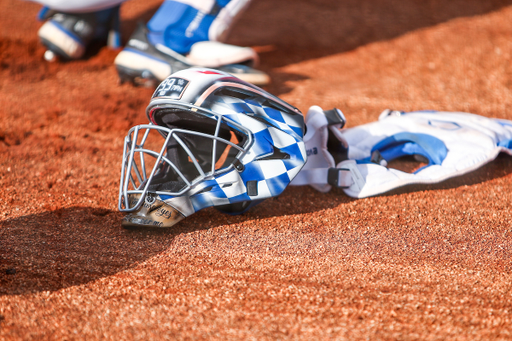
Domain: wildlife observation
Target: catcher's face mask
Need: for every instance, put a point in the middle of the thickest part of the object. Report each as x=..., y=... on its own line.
x=213, y=141
x=197, y=145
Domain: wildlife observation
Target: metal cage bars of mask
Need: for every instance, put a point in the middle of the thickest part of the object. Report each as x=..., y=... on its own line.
x=131, y=148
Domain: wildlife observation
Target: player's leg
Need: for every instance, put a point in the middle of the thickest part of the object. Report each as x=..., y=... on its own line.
x=185, y=33
x=71, y=25
x=181, y=23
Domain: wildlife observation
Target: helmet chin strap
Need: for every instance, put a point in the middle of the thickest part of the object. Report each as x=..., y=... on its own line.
x=357, y=159
x=153, y=213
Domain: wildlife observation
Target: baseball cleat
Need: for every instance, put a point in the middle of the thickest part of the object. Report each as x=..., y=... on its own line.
x=67, y=35
x=143, y=63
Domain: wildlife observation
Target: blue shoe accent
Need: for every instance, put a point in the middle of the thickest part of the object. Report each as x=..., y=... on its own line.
x=43, y=12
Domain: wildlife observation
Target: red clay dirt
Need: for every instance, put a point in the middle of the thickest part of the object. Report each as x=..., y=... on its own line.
x=423, y=262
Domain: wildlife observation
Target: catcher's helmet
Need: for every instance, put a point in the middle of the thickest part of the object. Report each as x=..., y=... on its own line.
x=227, y=144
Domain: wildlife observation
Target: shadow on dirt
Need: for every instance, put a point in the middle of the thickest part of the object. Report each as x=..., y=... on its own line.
x=293, y=31
x=70, y=246
x=77, y=245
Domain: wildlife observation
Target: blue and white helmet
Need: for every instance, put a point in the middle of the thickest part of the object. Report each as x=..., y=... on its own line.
x=213, y=140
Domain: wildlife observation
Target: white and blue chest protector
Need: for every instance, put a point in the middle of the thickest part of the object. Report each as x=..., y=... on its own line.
x=355, y=159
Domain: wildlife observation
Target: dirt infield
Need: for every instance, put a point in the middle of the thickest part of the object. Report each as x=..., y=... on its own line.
x=423, y=262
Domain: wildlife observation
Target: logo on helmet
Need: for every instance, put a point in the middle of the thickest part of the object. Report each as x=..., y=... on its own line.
x=171, y=87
